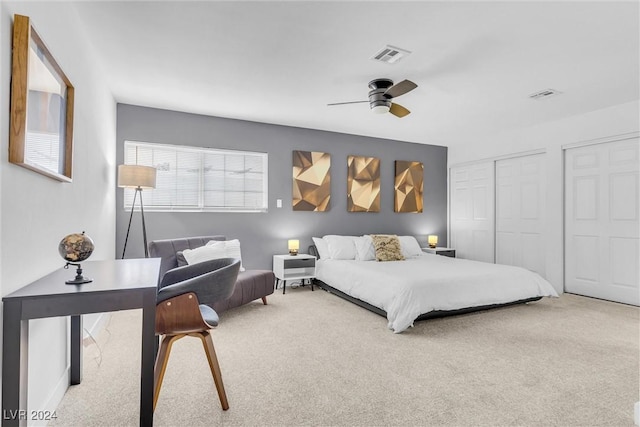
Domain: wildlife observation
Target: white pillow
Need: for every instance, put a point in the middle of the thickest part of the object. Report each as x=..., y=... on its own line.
x=410, y=246
x=340, y=247
x=214, y=249
x=232, y=250
x=365, y=251
x=204, y=253
x=321, y=246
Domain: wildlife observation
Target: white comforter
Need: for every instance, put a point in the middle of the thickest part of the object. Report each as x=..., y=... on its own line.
x=406, y=289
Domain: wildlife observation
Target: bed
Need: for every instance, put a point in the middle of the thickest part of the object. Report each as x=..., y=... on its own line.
x=426, y=285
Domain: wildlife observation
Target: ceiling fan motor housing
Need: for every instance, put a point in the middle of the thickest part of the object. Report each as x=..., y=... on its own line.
x=378, y=102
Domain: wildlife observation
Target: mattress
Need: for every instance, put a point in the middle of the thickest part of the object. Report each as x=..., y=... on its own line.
x=418, y=285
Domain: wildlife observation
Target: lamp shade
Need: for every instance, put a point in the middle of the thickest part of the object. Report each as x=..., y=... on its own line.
x=136, y=176
x=294, y=245
x=432, y=240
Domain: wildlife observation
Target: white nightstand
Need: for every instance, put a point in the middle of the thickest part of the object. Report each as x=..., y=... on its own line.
x=294, y=267
x=450, y=252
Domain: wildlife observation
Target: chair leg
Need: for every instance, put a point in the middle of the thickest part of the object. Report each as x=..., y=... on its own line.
x=161, y=364
x=264, y=300
x=207, y=343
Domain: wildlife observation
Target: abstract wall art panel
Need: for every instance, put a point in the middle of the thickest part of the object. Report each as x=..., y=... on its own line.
x=408, y=186
x=363, y=184
x=311, y=181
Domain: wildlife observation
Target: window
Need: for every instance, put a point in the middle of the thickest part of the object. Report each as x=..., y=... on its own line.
x=193, y=179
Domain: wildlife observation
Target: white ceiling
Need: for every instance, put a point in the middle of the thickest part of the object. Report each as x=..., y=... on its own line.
x=281, y=62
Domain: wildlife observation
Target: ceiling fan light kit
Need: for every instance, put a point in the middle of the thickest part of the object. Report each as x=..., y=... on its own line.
x=380, y=108
x=382, y=92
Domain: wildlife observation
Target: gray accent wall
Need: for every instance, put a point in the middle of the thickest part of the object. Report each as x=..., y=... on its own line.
x=263, y=235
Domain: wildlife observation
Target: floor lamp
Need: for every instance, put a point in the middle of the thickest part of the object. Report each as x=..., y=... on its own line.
x=137, y=177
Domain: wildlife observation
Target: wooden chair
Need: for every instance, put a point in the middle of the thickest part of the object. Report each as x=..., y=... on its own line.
x=181, y=311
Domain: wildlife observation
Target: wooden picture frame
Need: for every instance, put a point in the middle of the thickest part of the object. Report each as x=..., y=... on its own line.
x=41, y=118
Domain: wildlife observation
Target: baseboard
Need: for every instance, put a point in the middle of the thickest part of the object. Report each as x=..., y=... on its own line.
x=43, y=416
x=636, y=413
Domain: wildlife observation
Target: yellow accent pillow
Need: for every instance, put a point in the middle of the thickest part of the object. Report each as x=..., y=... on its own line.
x=387, y=247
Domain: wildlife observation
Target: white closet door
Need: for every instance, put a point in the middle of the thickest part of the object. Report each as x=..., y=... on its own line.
x=472, y=211
x=601, y=221
x=520, y=207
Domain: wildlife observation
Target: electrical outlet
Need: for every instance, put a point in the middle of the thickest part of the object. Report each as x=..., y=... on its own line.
x=278, y=203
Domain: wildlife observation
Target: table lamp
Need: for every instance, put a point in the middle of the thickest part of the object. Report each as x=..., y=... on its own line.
x=138, y=177
x=432, y=240
x=294, y=245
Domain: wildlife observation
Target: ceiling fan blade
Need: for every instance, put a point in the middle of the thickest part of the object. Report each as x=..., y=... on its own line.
x=398, y=110
x=350, y=102
x=400, y=89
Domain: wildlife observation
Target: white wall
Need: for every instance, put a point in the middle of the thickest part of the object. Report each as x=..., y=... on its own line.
x=36, y=211
x=617, y=120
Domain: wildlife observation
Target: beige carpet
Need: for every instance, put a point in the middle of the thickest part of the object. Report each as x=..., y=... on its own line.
x=311, y=358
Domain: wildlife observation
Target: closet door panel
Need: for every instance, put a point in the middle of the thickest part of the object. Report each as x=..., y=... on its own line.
x=520, y=184
x=471, y=211
x=602, y=253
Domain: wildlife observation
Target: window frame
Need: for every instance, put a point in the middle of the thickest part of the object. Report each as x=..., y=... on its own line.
x=202, y=152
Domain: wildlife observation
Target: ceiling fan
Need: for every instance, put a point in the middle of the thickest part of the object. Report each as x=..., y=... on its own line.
x=382, y=92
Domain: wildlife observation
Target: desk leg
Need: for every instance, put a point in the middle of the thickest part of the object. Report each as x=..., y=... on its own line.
x=148, y=357
x=15, y=357
x=76, y=349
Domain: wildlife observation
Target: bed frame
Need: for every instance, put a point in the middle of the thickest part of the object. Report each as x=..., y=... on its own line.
x=424, y=316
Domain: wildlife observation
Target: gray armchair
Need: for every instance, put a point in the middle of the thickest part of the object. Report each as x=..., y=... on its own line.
x=184, y=296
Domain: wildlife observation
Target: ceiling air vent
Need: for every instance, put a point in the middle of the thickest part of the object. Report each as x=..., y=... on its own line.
x=390, y=54
x=544, y=94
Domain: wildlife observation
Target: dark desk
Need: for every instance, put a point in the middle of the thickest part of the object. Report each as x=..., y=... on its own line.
x=117, y=285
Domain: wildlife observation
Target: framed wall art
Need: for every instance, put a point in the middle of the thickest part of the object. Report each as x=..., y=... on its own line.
x=311, y=181
x=41, y=117
x=363, y=184
x=408, y=186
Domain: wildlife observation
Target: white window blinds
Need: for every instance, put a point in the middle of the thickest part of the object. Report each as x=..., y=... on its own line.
x=200, y=179
x=43, y=149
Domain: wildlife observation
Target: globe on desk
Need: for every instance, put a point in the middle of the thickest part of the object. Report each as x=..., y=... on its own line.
x=76, y=248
